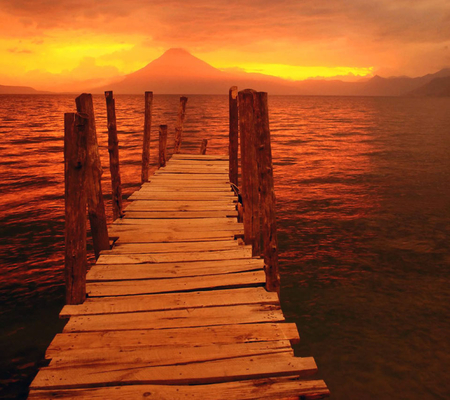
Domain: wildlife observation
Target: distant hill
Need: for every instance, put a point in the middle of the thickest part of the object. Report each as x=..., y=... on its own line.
x=18, y=90
x=437, y=87
x=398, y=86
x=179, y=72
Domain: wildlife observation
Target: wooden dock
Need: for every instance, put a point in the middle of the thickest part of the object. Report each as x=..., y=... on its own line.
x=177, y=309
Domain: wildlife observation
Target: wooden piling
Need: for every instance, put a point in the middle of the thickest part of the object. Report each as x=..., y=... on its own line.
x=267, y=192
x=146, y=141
x=179, y=125
x=96, y=205
x=203, y=146
x=162, y=145
x=249, y=170
x=233, y=134
x=75, y=159
x=113, y=150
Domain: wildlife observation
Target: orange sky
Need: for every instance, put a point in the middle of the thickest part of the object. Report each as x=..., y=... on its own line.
x=50, y=44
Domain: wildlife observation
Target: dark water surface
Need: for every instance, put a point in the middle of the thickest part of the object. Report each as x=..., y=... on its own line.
x=363, y=197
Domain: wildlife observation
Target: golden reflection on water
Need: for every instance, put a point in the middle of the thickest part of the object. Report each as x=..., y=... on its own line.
x=363, y=215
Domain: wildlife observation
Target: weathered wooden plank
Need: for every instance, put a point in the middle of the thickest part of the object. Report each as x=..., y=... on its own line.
x=183, y=188
x=147, y=236
x=180, y=205
x=123, y=288
x=136, y=228
x=172, y=301
x=200, y=157
x=181, y=193
x=192, y=187
x=194, y=180
x=182, y=169
x=180, y=214
x=214, y=178
x=279, y=364
x=200, y=163
x=154, y=356
x=176, y=247
x=112, y=257
x=204, y=190
x=192, y=176
x=264, y=389
x=191, y=336
x=210, y=196
x=218, y=223
x=171, y=270
x=208, y=316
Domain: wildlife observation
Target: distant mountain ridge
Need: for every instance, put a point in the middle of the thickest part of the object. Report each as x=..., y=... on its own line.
x=179, y=72
x=437, y=87
x=4, y=89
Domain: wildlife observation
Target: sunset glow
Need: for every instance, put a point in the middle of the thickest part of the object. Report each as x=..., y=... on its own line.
x=302, y=72
x=53, y=45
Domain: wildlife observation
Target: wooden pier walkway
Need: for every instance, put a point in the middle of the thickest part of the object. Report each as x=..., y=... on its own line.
x=177, y=309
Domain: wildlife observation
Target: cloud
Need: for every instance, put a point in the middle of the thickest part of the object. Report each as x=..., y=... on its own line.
x=15, y=50
x=378, y=33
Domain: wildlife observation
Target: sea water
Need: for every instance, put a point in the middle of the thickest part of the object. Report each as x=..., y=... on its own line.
x=363, y=209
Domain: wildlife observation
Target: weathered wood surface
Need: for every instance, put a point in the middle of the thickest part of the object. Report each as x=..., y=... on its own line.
x=216, y=371
x=193, y=336
x=120, y=272
x=162, y=146
x=233, y=146
x=267, y=192
x=179, y=124
x=267, y=389
x=177, y=309
x=75, y=159
x=203, y=146
x=94, y=171
x=146, y=137
x=249, y=170
x=113, y=150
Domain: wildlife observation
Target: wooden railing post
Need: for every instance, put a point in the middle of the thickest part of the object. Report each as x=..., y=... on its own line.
x=162, y=145
x=96, y=205
x=113, y=150
x=203, y=146
x=179, y=125
x=249, y=169
x=234, y=139
x=267, y=193
x=146, y=141
x=75, y=158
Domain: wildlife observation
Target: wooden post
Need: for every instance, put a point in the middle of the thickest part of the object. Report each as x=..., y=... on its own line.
x=162, y=145
x=234, y=139
x=147, y=130
x=96, y=206
x=203, y=146
x=113, y=150
x=75, y=157
x=179, y=125
x=267, y=193
x=249, y=168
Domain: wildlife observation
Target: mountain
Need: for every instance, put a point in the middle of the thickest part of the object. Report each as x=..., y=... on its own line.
x=179, y=72
x=438, y=87
x=398, y=86
x=18, y=90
